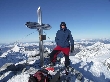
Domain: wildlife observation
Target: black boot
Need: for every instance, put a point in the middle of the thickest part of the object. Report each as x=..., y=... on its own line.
x=52, y=64
x=68, y=68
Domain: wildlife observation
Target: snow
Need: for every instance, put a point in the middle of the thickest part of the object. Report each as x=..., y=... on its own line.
x=18, y=78
x=93, y=60
x=15, y=49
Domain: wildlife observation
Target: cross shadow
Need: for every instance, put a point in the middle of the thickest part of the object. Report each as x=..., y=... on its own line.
x=12, y=57
x=13, y=70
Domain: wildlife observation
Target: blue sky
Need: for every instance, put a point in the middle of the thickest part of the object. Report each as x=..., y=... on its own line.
x=85, y=18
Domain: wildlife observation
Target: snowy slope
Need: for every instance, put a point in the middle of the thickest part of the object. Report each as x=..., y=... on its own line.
x=95, y=59
x=91, y=58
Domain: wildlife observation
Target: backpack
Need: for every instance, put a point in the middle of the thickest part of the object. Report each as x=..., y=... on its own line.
x=40, y=76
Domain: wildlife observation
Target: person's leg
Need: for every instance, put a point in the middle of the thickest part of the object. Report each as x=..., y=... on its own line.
x=66, y=54
x=53, y=55
x=67, y=60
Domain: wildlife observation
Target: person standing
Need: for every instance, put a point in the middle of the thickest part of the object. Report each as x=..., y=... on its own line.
x=64, y=42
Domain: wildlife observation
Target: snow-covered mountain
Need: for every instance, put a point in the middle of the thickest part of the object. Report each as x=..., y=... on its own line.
x=96, y=59
x=90, y=57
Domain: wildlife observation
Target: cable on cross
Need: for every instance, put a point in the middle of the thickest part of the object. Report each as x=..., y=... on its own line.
x=24, y=37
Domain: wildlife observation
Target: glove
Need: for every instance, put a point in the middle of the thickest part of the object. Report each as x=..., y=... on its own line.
x=72, y=48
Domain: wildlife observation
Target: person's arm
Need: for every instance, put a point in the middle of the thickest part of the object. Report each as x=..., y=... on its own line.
x=71, y=41
x=56, y=38
x=71, y=38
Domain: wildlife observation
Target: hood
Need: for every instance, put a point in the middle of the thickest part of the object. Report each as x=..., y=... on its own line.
x=63, y=24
